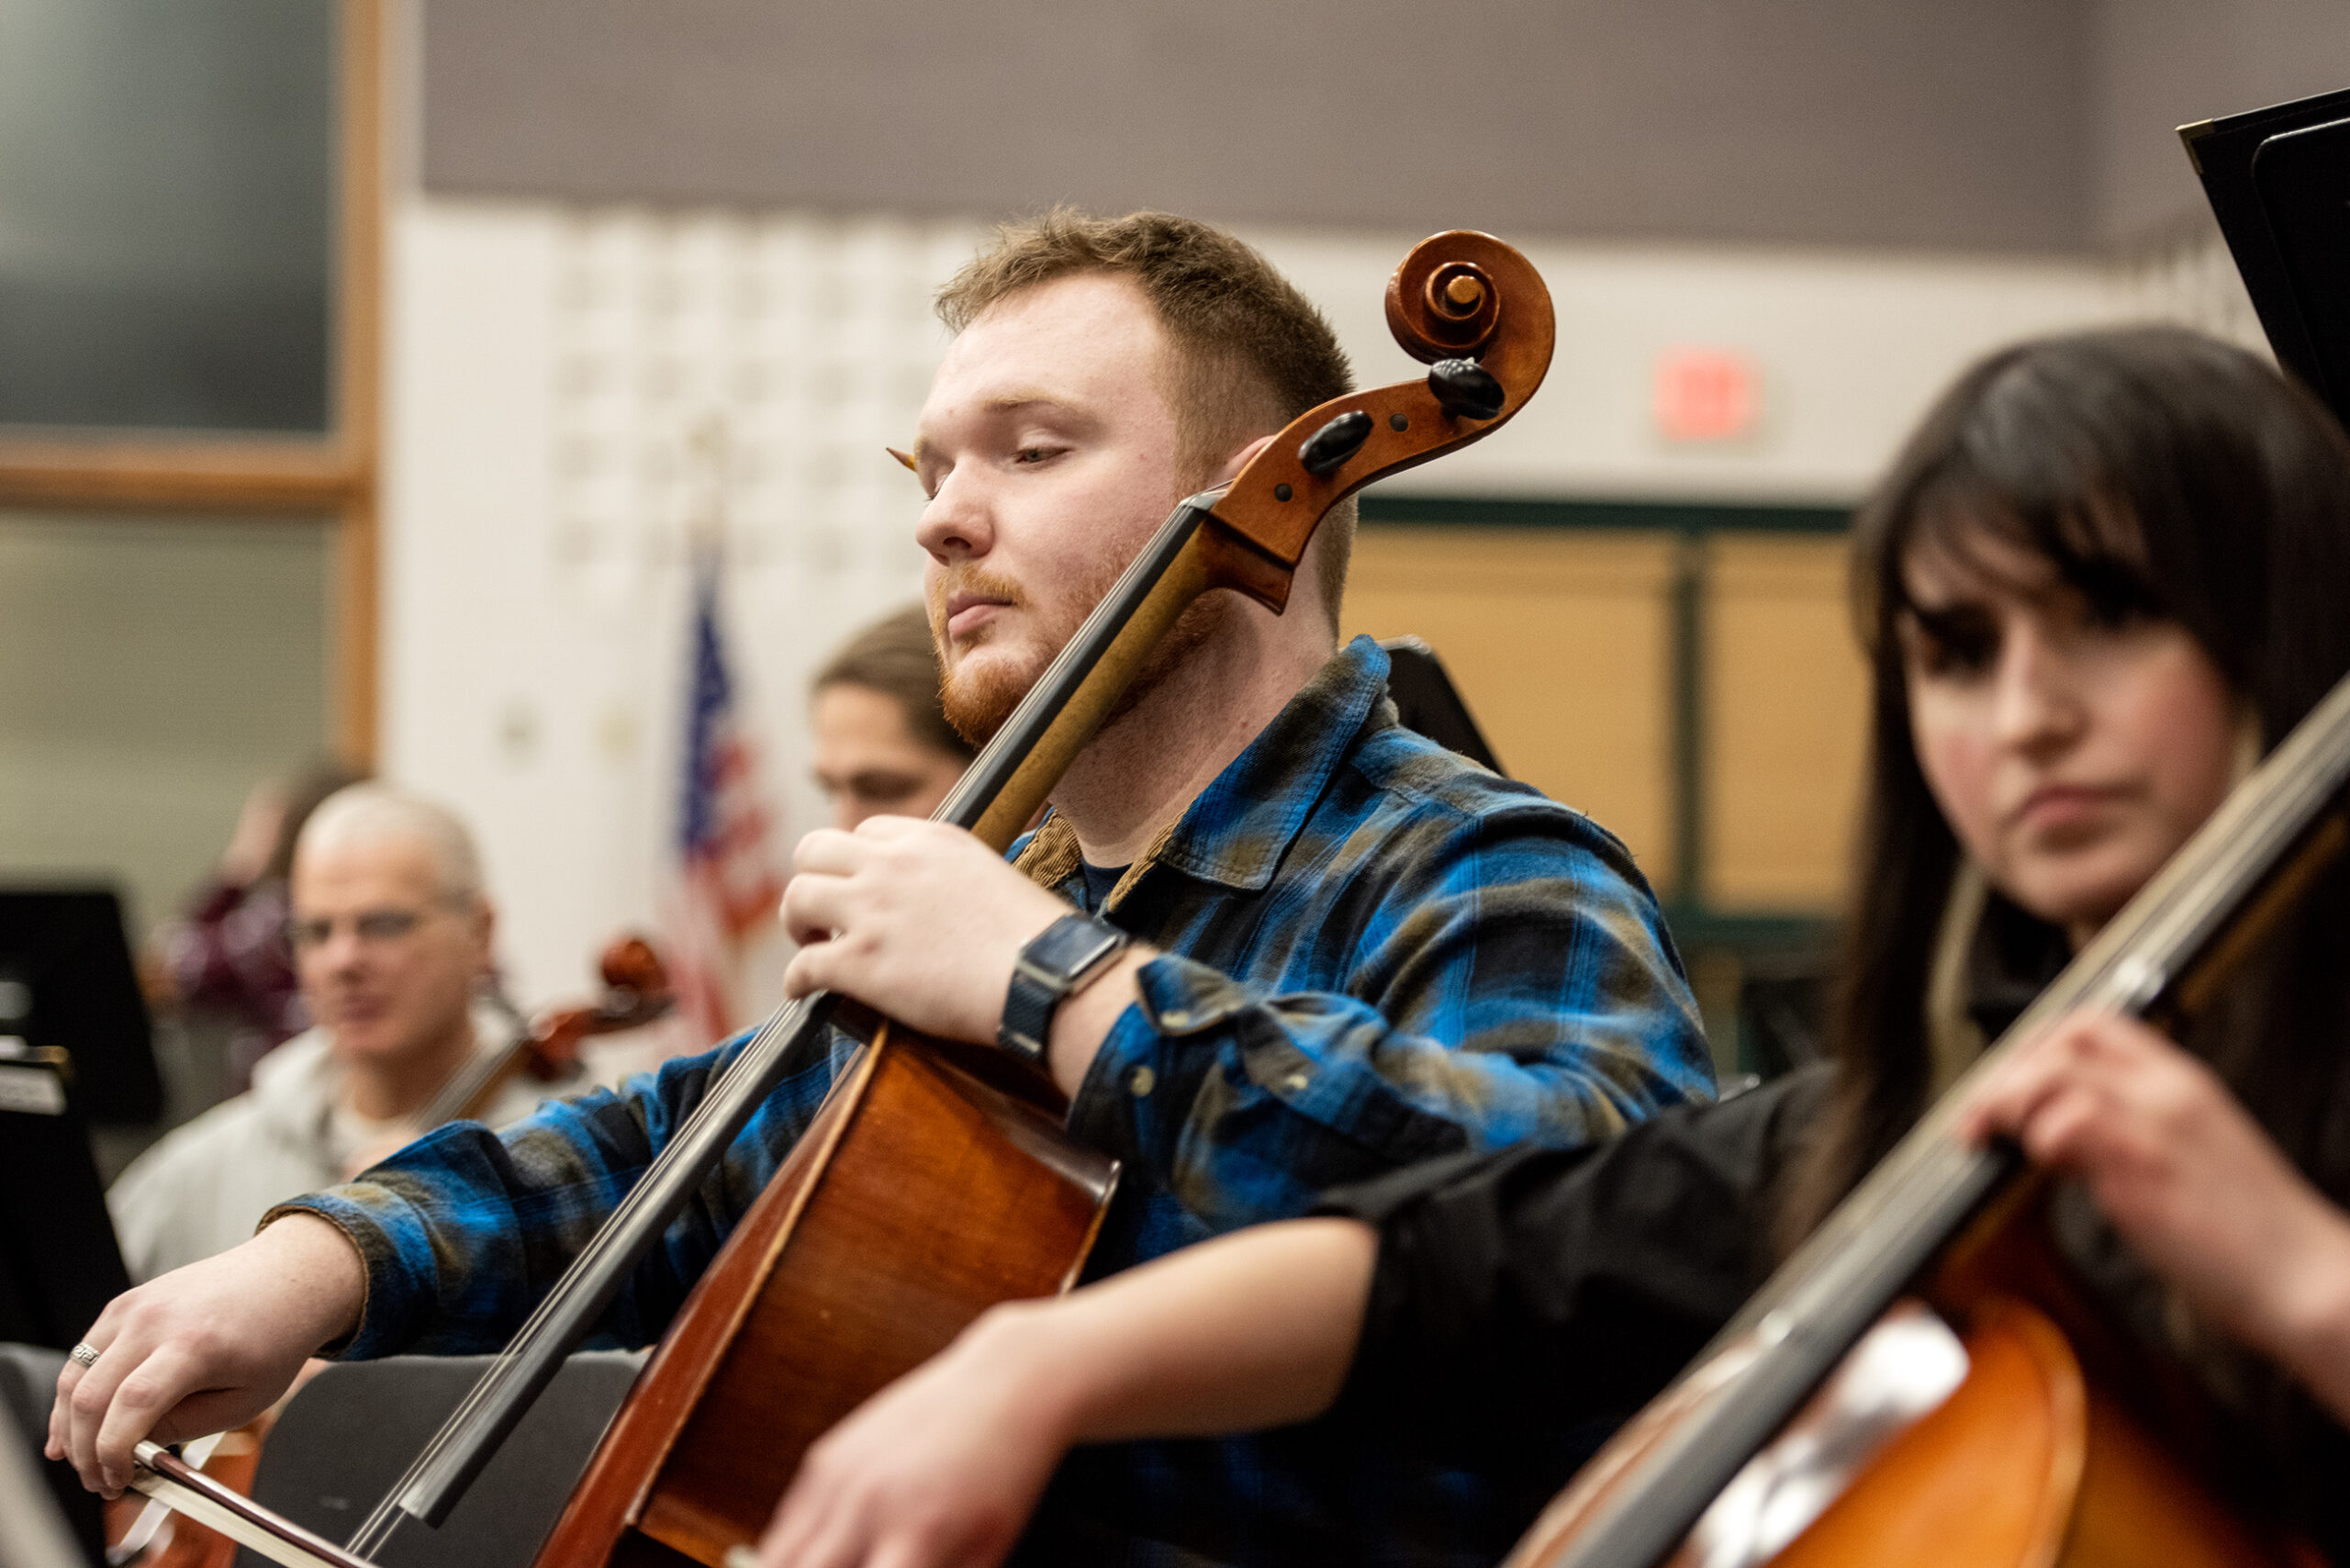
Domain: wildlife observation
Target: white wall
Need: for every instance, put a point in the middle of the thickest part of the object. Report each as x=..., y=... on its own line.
x=556, y=375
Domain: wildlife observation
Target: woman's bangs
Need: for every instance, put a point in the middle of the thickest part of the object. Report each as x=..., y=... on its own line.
x=2090, y=539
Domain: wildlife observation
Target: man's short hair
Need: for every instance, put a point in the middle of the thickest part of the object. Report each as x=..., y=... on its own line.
x=896, y=657
x=369, y=812
x=1248, y=351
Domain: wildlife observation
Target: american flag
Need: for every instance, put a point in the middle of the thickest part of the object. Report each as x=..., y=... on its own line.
x=728, y=885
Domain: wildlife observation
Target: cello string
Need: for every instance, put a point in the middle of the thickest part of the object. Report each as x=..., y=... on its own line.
x=969, y=800
x=769, y=1040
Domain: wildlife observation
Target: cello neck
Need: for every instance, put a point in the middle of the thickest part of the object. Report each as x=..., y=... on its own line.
x=1007, y=783
x=1004, y=787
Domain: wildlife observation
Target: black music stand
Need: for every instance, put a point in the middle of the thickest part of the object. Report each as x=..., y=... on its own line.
x=74, y=1047
x=1427, y=702
x=66, y=983
x=2279, y=182
x=59, y=1261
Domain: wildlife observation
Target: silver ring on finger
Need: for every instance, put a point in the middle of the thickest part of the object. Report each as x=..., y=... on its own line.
x=84, y=1353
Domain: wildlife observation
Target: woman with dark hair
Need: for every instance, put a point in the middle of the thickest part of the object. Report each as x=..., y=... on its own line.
x=2160, y=485
x=2106, y=573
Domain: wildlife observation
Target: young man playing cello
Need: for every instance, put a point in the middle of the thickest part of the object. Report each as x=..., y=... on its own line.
x=1348, y=950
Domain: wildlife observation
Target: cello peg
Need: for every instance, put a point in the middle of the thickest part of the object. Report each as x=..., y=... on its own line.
x=1328, y=449
x=1466, y=389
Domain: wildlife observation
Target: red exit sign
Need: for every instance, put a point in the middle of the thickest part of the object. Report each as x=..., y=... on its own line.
x=1705, y=394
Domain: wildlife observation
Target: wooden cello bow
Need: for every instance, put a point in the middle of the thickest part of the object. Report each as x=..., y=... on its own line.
x=2048, y=1461
x=937, y=1180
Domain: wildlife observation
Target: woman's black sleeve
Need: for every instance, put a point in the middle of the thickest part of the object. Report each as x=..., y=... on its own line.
x=1560, y=1290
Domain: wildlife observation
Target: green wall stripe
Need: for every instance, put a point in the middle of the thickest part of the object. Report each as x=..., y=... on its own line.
x=1685, y=651
x=1692, y=517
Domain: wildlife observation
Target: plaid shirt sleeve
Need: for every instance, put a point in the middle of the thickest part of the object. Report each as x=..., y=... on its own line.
x=1489, y=977
x=464, y=1231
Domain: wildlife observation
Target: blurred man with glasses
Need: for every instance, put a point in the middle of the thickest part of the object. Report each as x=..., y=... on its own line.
x=391, y=938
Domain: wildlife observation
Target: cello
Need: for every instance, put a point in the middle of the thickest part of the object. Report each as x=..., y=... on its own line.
x=635, y=993
x=936, y=1181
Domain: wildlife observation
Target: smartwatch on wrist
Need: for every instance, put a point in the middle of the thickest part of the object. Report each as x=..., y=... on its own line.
x=1054, y=966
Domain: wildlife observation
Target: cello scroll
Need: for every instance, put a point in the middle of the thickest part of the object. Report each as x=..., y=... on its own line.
x=1464, y=303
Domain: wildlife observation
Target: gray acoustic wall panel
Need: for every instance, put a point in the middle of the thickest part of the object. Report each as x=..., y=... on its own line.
x=2161, y=63
x=1961, y=124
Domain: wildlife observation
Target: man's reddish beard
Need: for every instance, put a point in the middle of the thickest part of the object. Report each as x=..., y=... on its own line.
x=977, y=701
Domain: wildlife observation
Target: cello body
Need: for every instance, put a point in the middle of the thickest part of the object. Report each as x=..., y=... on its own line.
x=2062, y=1444
x=950, y=1154
x=2029, y=1465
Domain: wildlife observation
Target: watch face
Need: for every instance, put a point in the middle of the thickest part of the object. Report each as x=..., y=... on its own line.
x=1069, y=946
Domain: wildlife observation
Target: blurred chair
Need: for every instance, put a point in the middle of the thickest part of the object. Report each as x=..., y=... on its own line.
x=41, y=1501
x=1783, y=1012
x=32, y=1534
x=345, y=1440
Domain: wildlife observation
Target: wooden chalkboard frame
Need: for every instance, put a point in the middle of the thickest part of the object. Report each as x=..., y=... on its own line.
x=334, y=475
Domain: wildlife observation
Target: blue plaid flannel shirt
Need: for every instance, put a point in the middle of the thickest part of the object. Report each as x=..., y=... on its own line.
x=1377, y=953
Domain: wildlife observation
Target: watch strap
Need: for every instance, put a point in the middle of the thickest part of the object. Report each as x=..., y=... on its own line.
x=1053, y=967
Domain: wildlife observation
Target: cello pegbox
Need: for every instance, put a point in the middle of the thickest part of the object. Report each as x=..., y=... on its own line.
x=1463, y=301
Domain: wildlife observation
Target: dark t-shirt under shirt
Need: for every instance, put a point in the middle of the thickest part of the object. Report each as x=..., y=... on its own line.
x=1099, y=880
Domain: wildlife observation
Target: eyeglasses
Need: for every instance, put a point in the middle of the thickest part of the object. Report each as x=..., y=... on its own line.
x=372, y=927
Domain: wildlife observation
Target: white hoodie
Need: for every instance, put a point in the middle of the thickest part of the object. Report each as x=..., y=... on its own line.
x=204, y=1187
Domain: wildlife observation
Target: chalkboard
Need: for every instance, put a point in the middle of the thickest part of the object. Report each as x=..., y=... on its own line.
x=167, y=213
